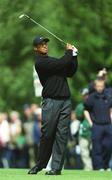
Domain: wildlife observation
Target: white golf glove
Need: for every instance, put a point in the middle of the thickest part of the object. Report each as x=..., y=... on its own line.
x=75, y=51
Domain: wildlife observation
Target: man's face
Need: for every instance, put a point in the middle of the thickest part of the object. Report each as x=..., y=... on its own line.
x=100, y=86
x=27, y=112
x=42, y=48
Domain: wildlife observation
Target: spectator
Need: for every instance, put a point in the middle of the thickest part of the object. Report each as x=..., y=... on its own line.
x=102, y=74
x=36, y=111
x=4, y=140
x=15, y=132
x=97, y=112
x=74, y=124
x=15, y=126
x=37, y=114
x=30, y=128
x=84, y=132
x=73, y=149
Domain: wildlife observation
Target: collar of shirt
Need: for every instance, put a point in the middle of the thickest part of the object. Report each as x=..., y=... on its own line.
x=101, y=95
x=41, y=56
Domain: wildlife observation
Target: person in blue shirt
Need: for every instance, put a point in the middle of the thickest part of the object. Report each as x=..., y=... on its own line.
x=97, y=112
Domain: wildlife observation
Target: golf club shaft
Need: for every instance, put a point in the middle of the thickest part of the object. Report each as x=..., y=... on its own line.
x=43, y=28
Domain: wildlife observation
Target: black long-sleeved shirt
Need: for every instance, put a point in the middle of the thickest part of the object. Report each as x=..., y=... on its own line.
x=99, y=105
x=53, y=74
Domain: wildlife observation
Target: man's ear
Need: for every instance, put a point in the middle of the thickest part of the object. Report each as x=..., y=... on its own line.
x=35, y=48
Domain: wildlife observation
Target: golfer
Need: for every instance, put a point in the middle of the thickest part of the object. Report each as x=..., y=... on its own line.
x=56, y=104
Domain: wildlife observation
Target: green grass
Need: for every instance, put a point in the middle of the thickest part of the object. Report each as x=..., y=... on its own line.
x=21, y=174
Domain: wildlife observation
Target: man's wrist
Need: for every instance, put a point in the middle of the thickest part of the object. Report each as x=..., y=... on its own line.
x=91, y=123
x=75, y=51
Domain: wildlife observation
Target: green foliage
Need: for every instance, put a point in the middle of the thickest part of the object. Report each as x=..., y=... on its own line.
x=86, y=24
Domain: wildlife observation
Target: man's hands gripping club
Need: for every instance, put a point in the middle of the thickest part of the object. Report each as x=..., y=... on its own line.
x=71, y=47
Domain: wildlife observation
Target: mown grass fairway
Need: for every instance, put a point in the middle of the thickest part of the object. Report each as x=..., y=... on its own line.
x=21, y=174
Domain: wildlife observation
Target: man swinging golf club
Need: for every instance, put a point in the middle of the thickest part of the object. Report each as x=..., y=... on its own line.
x=56, y=104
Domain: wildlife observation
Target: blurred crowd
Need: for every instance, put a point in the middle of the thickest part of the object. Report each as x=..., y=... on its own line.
x=20, y=137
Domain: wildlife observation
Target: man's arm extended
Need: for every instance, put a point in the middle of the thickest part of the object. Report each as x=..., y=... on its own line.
x=87, y=116
x=88, y=107
x=55, y=65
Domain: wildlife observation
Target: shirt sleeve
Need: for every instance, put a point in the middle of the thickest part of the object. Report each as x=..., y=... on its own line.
x=79, y=110
x=72, y=67
x=88, y=104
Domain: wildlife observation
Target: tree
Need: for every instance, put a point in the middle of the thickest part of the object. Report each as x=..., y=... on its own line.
x=86, y=24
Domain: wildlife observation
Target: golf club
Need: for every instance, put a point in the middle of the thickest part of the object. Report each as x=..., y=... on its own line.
x=25, y=15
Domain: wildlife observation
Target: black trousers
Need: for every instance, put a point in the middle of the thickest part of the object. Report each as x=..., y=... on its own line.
x=55, y=127
x=102, y=145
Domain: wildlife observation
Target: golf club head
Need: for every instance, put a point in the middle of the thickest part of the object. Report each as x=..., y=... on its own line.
x=23, y=15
